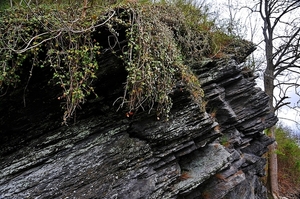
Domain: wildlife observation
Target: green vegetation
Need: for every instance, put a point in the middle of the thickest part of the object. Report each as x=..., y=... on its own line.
x=64, y=42
x=162, y=41
x=288, y=154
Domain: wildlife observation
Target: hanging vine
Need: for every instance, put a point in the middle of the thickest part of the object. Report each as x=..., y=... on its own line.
x=161, y=42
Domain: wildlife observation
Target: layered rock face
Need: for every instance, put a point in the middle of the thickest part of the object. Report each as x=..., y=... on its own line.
x=195, y=154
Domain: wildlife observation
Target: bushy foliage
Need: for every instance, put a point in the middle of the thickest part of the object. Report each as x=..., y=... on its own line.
x=288, y=160
x=162, y=40
x=155, y=59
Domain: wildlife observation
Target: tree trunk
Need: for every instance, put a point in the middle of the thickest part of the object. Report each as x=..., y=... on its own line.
x=272, y=167
x=272, y=156
x=272, y=182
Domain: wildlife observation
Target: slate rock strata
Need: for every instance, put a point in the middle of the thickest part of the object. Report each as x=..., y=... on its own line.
x=213, y=154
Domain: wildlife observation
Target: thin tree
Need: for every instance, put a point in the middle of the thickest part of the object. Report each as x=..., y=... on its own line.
x=282, y=53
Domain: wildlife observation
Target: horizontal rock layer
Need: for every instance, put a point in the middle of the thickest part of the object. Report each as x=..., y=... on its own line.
x=213, y=154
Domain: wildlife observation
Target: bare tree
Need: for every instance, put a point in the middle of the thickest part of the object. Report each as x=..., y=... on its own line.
x=281, y=38
x=280, y=34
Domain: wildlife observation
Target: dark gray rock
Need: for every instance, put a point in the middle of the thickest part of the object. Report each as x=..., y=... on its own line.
x=107, y=155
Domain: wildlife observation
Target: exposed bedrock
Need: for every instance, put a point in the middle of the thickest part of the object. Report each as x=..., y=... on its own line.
x=212, y=155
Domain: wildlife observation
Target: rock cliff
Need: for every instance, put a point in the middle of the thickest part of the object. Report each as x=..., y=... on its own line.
x=104, y=154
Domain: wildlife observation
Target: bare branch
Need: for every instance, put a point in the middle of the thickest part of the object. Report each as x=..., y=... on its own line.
x=278, y=106
x=287, y=46
x=286, y=10
x=58, y=33
x=288, y=66
x=288, y=119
